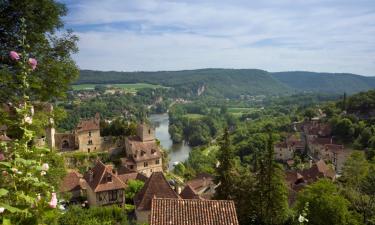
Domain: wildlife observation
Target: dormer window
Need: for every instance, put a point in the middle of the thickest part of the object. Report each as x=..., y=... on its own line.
x=153, y=151
x=109, y=178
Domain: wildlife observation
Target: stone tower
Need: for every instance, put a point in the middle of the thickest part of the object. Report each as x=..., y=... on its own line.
x=145, y=132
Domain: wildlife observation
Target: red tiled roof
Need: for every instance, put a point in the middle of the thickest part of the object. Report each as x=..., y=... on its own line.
x=193, y=212
x=125, y=175
x=87, y=125
x=71, y=182
x=99, y=181
x=155, y=186
x=189, y=193
x=202, y=180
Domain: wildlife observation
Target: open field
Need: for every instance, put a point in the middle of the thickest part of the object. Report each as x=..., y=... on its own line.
x=193, y=116
x=127, y=87
x=240, y=111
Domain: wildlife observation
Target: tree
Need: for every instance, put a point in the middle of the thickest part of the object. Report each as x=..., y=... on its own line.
x=309, y=113
x=134, y=186
x=325, y=204
x=355, y=169
x=225, y=168
x=270, y=191
x=56, y=69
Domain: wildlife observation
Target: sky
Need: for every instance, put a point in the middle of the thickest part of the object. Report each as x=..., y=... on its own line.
x=274, y=35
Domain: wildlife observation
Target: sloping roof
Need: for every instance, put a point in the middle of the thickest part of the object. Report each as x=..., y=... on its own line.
x=88, y=124
x=155, y=186
x=99, y=181
x=202, y=180
x=189, y=193
x=193, y=212
x=71, y=182
x=125, y=175
x=143, y=150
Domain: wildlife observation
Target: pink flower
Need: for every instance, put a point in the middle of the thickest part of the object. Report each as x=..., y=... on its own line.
x=14, y=55
x=33, y=63
x=53, y=202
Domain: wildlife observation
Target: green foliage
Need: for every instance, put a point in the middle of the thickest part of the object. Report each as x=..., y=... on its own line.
x=225, y=169
x=55, y=69
x=134, y=186
x=187, y=83
x=326, y=205
x=110, y=215
x=356, y=167
x=325, y=82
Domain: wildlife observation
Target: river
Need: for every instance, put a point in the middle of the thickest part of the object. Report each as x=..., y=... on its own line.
x=177, y=152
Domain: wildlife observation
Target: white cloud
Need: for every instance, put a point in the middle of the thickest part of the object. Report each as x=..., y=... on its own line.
x=275, y=35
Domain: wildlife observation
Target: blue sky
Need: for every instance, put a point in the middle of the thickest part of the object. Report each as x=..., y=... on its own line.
x=274, y=35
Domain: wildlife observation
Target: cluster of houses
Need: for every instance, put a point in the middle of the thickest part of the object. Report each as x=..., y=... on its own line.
x=160, y=201
x=326, y=158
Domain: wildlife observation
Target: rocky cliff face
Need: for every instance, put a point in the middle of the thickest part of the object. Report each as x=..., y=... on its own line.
x=201, y=90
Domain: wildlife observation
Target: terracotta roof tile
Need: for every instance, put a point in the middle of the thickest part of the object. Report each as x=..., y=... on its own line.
x=88, y=124
x=193, y=212
x=189, y=193
x=155, y=186
x=125, y=175
x=202, y=180
x=97, y=177
x=71, y=182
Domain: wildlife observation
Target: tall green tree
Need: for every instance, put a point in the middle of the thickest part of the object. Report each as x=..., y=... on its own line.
x=225, y=169
x=270, y=192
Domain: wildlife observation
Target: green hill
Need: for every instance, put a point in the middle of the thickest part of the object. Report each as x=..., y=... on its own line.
x=232, y=83
x=325, y=82
x=218, y=82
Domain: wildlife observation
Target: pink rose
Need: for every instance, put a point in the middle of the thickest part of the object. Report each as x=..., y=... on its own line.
x=33, y=63
x=53, y=202
x=14, y=55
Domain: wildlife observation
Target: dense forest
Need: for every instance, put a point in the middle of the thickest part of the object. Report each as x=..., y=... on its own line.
x=233, y=83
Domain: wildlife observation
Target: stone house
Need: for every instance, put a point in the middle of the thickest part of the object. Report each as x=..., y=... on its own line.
x=104, y=187
x=193, y=212
x=297, y=180
x=286, y=149
x=155, y=186
x=142, y=153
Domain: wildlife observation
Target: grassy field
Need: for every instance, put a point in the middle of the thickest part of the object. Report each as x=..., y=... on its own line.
x=240, y=111
x=128, y=87
x=194, y=116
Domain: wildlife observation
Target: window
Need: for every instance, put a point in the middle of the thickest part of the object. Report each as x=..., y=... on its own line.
x=109, y=178
x=145, y=164
x=88, y=150
x=149, y=131
x=131, y=167
x=157, y=161
x=89, y=133
x=112, y=195
x=90, y=142
x=65, y=144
